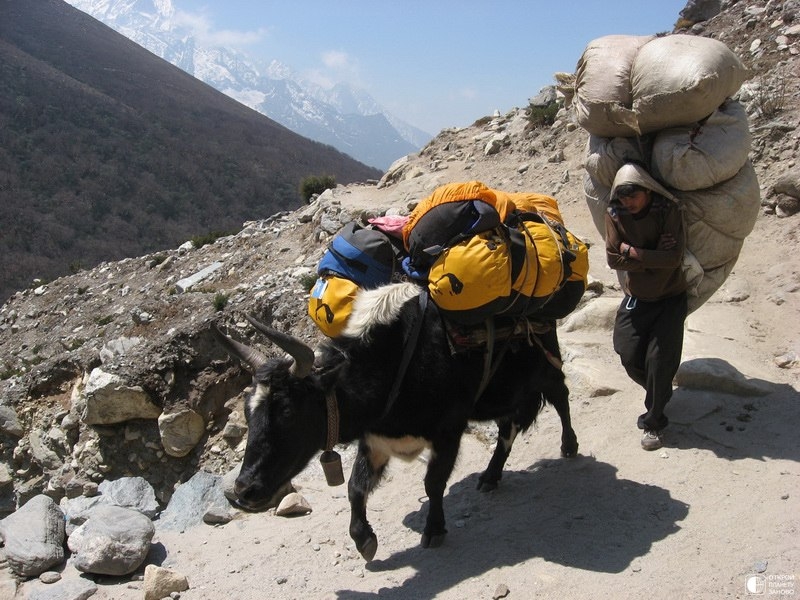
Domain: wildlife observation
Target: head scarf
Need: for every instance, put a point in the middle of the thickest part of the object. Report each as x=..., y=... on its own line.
x=631, y=173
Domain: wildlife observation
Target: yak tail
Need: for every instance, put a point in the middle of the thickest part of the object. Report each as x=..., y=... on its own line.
x=379, y=306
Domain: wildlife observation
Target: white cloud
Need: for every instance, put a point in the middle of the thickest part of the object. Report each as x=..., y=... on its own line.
x=202, y=27
x=468, y=93
x=336, y=66
x=336, y=59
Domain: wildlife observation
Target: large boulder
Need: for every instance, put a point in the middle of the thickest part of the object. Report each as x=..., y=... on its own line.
x=33, y=537
x=112, y=541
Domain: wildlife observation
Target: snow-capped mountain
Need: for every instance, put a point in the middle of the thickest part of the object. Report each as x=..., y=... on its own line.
x=343, y=117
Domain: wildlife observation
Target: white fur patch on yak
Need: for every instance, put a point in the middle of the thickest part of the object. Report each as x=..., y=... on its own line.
x=259, y=395
x=406, y=448
x=379, y=306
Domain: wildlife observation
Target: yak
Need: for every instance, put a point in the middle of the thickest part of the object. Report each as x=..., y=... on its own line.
x=395, y=382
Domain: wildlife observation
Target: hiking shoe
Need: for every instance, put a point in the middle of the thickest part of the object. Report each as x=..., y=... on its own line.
x=651, y=440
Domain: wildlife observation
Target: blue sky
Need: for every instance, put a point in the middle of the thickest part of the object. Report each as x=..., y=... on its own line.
x=434, y=63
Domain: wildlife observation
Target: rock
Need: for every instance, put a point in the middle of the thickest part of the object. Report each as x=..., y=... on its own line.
x=786, y=206
x=131, y=492
x=108, y=400
x=50, y=577
x=9, y=423
x=77, y=510
x=700, y=10
x=217, y=515
x=293, y=504
x=495, y=144
x=501, y=591
x=33, y=537
x=191, y=501
x=160, y=582
x=113, y=541
x=67, y=589
x=118, y=347
x=188, y=282
x=545, y=97
x=180, y=431
x=41, y=454
x=599, y=314
x=719, y=375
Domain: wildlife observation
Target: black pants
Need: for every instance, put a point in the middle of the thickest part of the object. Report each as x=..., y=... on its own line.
x=648, y=336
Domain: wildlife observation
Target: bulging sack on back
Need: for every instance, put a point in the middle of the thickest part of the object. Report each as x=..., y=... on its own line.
x=547, y=207
x=357, y=257
x=451, y=214
x=362, y=254
x=556, y=269
x=680, y=79
x=331, y=302
x=484, y=252
x=472, y=279
x=703, y=154
x=603, y=84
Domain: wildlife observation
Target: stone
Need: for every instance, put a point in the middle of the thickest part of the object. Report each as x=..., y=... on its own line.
x=160, y=582
x=131, y=492
x=74, y=588
x=109, y=400
x=189, y=282
x=191, y=501
x=293, y=504
x=33, y=537
x=9, y=423
x=719, y=375
x=180, y=431
x=112, y=541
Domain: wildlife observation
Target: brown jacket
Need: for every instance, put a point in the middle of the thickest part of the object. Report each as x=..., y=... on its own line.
x=658, y=273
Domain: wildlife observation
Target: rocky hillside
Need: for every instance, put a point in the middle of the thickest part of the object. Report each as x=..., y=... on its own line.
x=109, y=151
x=114, y=371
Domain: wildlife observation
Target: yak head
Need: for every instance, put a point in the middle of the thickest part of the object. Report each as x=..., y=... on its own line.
x=286, y=417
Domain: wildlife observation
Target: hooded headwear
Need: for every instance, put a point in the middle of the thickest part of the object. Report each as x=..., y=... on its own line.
x=631, y=173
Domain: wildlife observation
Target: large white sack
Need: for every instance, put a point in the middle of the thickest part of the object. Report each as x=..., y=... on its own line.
x=603, y=84
x=712, y=280
x=717, y=220
x=597, y=198
x=604, y=156
x=701, y=155
x=730, y=207
x=710, y=247
x=679, y=79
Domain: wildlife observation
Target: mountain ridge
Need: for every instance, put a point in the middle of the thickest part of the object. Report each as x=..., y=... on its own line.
x=341, y=116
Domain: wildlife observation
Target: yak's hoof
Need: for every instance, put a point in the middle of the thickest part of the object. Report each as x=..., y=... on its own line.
x=569, y=452
x=487, y=486
x=432, y=541
x=368, y=548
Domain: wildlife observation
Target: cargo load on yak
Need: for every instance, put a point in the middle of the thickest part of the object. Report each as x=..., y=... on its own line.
x=479, y=253
x=357, y=257
x=669, y=107
x=483, y=252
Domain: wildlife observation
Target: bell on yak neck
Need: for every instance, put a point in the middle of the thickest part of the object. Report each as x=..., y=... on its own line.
x=332, y=467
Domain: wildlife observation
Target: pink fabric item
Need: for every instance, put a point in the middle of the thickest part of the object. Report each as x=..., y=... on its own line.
x=390, y=224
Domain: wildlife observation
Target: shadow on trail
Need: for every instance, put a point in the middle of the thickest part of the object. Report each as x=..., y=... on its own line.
x=756, y=419
x=571, y=512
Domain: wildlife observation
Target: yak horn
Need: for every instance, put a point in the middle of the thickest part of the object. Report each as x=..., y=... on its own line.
x=246, y=354
x=302, y=354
